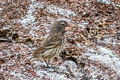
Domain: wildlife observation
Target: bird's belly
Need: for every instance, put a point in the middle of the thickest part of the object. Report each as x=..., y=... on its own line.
x=53, y=52
x=59, y=50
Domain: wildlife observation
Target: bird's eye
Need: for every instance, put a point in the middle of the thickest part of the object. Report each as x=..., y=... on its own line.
x=62, y=23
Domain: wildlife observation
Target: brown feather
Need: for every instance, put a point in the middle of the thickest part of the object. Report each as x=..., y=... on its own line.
x=53, y=44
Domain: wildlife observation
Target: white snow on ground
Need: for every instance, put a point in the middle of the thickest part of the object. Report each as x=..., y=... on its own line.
x=107, y=57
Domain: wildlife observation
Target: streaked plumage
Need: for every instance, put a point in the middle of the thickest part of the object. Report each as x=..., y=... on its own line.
x=53, y=44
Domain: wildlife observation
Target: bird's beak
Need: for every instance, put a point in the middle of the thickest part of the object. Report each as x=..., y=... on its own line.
x=68, y=28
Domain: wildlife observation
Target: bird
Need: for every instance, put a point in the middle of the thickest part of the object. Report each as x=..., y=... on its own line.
x=54, y=44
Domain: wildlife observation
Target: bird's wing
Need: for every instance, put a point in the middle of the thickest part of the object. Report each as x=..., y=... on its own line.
x=52, y=41
x=49, y=43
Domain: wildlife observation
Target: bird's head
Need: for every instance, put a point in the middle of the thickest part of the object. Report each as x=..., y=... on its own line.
x=59, y=27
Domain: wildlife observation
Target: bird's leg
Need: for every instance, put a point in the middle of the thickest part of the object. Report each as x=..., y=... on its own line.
x=47, y=63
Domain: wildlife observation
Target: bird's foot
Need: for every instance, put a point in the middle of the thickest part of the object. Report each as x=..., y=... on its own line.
x=51, y=67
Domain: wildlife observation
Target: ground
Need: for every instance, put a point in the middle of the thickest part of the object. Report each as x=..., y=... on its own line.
x=93, y=43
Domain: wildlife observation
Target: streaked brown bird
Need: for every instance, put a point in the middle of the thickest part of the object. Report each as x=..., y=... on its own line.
x=53, y=45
